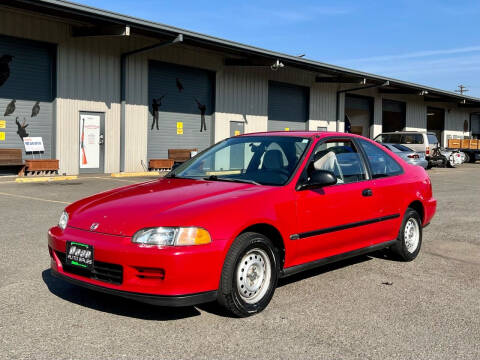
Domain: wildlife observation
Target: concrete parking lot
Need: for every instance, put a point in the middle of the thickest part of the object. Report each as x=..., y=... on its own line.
x=369, y=307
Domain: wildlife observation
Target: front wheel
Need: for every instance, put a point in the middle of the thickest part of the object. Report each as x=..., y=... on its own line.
x=249, y=275
x=409, y=238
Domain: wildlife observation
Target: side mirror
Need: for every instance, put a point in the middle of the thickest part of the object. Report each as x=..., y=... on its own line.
x=318, y=179
x=175, y=165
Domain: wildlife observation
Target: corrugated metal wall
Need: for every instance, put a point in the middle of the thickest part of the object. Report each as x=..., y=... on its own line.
x=27, y=93
x=34, y=82
x=137, y=108
x=179, y=92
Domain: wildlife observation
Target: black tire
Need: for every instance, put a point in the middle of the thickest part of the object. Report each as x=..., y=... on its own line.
x=228, y=294
x=401, y=249
x=471, y=159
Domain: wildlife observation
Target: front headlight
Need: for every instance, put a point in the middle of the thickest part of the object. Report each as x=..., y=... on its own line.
x=62, y=223
x=172, y=236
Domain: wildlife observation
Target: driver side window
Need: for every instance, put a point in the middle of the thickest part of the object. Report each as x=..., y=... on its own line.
x=342, y=159
x=381, y=163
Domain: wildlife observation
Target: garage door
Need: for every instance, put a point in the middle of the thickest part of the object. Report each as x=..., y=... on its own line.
x=393, y=115
x=359, y=112
x=287, y=106
x=27, y=90
x=181, y=107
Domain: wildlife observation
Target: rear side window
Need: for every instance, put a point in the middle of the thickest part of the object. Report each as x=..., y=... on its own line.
x=412, y=139
x=432, y=139
x=342, y=159
x=389, y=138
x=381, y=163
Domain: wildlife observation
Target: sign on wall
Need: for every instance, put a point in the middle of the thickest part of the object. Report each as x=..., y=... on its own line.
x=179, y=128
x=3, y=124
x=2, y=136
x=89, y=141
x=33, y=144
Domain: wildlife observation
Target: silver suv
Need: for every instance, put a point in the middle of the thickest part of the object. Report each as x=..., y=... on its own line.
x=420, y=141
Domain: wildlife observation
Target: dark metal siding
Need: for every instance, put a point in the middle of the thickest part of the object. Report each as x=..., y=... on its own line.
x=32, y=79
x=287, y=106
x=179, y=106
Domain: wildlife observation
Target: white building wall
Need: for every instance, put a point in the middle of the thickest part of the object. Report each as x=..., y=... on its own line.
x=89, y=80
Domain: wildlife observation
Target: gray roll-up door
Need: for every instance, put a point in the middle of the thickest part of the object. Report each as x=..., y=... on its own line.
x=181, y=94
x=27, y=87
x=287, y=106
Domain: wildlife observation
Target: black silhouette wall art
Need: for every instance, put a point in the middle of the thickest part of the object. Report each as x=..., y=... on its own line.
x=21, y=128
x=179, y=85
x=156, y=103
x=10, y=108
x=5, y=68
x=36, y=109
x=203, y=110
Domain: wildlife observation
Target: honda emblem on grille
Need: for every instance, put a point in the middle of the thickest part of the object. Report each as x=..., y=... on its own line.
x=94, y=226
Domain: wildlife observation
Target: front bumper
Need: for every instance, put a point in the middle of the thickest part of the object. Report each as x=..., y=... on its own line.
x=160, y=300
x=170, y=276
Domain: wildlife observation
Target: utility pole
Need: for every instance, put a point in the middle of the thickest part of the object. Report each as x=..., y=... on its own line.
x=462, y=89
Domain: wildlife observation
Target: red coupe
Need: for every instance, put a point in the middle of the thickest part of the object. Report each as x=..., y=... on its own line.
x=227, y=224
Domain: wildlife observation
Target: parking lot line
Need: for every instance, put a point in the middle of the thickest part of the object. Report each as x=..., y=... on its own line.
x=33, y=198
x=111, y=178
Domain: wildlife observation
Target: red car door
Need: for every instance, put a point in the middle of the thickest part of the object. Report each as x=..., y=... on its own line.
x=389, y=186
x=338, y=218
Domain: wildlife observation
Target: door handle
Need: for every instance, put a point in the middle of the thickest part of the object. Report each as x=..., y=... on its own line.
x=101, y=140
x=367, y=192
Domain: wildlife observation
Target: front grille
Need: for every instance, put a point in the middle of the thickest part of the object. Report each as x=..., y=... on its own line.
x=110, y=273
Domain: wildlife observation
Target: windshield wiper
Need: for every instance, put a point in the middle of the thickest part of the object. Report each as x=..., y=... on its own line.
x=216, y=178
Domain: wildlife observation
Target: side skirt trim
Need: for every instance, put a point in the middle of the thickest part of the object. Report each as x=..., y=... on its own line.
x=313, y=264
x=342, y=227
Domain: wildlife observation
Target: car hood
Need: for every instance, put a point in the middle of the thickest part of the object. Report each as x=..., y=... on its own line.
x=125, y=210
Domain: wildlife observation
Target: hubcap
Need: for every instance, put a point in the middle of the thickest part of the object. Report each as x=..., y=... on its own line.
x=253, y=275
x=412, y=235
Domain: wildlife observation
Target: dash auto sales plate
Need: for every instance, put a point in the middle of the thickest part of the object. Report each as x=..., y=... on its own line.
x=79, y=255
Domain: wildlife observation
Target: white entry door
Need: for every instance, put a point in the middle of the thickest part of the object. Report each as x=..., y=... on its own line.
x=91, y=142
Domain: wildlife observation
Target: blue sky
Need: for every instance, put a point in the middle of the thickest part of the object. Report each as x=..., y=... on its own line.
x=431, y=42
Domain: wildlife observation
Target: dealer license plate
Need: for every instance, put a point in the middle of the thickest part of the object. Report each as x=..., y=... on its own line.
x=79, y=255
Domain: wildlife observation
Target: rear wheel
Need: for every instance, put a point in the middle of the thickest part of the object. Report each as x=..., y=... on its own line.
x=249, y=275
x=409, y=239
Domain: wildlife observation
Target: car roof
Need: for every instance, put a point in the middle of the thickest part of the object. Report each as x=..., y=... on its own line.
x=301, y=133
x=407, y=132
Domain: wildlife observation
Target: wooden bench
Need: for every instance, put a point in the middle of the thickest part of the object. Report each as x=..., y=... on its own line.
x=174, y=156
x=180, y=155
x=11, y=157
x=160, y=164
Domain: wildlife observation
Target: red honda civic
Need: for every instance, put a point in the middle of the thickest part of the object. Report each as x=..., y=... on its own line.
x=228, y=223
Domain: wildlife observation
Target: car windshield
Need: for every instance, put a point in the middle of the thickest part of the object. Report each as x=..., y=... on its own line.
x=265, y=160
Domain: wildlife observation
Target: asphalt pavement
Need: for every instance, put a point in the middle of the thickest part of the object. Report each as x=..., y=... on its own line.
x=368, y=307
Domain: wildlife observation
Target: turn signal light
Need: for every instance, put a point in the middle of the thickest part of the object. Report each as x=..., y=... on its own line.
x=198, y=235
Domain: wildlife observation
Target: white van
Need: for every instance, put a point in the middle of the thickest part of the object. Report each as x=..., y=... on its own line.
x=420, y=141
